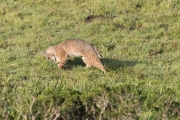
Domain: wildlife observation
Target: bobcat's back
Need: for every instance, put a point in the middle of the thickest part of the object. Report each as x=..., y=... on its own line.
x=75, y=47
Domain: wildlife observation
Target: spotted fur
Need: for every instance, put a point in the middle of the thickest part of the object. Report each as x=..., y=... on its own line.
x=74, y=47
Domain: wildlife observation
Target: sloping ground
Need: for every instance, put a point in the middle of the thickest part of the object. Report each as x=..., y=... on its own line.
x=139, y=41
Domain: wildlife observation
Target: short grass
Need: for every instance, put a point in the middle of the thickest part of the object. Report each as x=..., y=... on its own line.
x=140, y=44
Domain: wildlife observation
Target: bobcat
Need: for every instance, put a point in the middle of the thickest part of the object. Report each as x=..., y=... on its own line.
x=74, y=47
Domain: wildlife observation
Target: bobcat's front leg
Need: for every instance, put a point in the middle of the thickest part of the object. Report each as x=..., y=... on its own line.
x=61, y=64
x=61, y=57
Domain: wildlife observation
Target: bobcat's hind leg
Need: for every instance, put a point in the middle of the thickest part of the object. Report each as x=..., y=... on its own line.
x=86, y=61
x=95, y=61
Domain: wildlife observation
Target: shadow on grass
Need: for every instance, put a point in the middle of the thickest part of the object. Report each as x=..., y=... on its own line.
x=114, y=64
x=73, y=62
x=109, y=63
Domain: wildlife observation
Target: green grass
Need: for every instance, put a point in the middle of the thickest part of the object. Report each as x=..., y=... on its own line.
x=140, y=44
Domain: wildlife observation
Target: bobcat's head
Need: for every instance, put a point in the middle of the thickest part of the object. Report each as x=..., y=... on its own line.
x=50, y=57
x=50, y=54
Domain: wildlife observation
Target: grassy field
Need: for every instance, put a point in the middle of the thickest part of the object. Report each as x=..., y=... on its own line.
x=138, y=39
